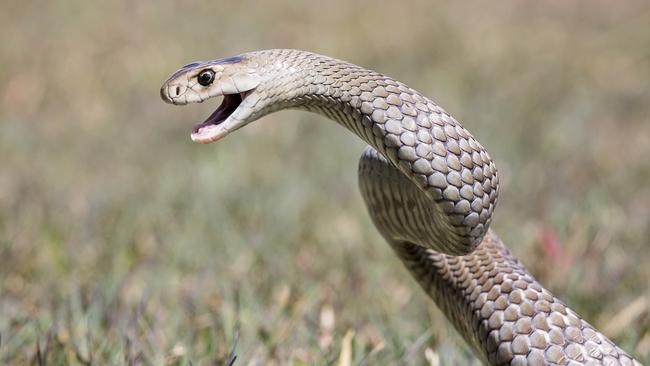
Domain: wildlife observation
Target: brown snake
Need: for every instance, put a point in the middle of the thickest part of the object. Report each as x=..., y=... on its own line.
x=430, y=189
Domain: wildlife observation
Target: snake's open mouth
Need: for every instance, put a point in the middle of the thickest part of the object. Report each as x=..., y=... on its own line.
x=228, y=105
x=210, y=129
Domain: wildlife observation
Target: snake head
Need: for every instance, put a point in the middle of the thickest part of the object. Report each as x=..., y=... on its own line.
x=233, y=78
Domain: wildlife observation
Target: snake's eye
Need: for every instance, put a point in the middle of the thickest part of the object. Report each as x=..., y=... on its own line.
x=206, y=77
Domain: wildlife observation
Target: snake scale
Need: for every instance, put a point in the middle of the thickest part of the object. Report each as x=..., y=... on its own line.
x=429, y=186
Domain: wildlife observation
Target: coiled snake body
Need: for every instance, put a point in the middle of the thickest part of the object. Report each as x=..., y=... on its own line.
x=430, y=189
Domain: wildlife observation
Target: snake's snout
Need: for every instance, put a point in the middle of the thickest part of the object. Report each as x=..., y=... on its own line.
x=171, y=93
x=164, y=96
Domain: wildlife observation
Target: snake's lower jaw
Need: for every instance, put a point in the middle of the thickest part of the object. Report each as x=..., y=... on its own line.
x=209, y=134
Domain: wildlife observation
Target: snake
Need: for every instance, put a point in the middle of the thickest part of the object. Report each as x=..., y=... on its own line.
x=430, y=189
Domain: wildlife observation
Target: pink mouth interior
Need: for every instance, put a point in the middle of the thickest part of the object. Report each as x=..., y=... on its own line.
x=228, y=105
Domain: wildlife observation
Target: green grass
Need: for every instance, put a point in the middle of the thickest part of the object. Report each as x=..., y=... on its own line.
x=121, y=242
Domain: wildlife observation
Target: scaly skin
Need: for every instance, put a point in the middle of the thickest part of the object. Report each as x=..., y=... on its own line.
x=430, y=188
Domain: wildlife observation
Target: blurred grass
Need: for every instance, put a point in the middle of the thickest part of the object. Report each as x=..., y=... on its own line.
x=121, y=242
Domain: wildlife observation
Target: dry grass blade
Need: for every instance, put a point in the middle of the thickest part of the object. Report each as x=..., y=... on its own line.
x=345, y=358
x=631, y=313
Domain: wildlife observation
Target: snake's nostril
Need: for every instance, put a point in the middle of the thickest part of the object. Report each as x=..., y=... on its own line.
x=174, y=91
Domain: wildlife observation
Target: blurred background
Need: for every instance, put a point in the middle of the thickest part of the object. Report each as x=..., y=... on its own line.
x=121, y=241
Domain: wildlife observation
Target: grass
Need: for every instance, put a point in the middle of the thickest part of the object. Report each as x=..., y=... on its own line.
x=121, y=242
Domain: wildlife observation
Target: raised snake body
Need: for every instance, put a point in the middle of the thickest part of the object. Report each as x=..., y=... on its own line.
x=430, y=189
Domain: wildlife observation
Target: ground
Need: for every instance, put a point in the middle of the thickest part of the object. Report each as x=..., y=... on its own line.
x=121, y=242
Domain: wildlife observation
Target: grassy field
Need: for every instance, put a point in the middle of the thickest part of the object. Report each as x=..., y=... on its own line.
x=121, y=242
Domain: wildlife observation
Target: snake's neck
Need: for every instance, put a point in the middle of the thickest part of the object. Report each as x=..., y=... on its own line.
x=335, y=89
x=433, y=151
